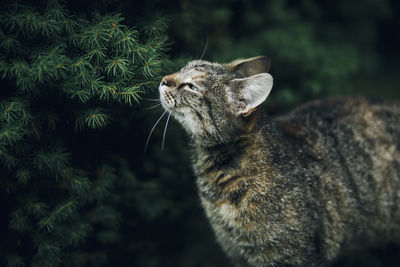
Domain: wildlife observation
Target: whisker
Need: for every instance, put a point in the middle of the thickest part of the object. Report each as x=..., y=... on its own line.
x=165, y=130
x=152, y=99
x=157, y=105
x=205, y=49
x=152, y=129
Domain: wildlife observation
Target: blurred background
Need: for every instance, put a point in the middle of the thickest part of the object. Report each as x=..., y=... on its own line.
x=136, y=208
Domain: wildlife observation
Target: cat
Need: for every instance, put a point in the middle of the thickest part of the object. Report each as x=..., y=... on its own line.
x=295, y=190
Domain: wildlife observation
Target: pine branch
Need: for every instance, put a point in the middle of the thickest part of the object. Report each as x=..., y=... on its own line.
x=63, y=69
x=74, y=233
x=96, y=118
x=55, y=160
x=36, y=208
x=60, y=213
x=13, y=111
x=23, y=176
x=10, y=45
x=118, y=68
x=10, y=134
x=48, y=254
x=75, y=183
x=130, y=94
x=19, y=222
x=7, y=159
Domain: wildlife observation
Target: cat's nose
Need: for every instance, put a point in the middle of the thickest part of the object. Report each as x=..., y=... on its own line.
x=169, y=80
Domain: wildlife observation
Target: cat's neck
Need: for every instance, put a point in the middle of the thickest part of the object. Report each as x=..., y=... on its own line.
x=214, y=164
x=243, y=134
x=226, y=171
x=226, y=154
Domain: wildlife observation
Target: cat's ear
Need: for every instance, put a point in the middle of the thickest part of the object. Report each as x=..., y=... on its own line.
x=251, y=66
x=253, y=91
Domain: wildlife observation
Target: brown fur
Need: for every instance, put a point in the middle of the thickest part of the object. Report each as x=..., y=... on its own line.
x=293, y=190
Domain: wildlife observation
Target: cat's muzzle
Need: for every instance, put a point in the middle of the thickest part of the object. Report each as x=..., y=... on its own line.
x=166, y=95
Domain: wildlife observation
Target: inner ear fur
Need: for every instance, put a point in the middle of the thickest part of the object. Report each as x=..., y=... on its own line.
x=251, y=66
x=252, y=92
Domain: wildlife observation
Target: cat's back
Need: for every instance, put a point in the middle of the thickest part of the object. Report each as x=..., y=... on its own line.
x=361, y=120
x=352, y=148
x=335, y=109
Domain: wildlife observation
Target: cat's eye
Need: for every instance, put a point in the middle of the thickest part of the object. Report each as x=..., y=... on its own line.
x=191, y=86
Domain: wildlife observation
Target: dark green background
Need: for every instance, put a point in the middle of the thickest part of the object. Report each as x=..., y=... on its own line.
x=317, y=48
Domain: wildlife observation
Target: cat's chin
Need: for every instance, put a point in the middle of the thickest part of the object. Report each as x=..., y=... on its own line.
x=166, y=106
x=186, y=118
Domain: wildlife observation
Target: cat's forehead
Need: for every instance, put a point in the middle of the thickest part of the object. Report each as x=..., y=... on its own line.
x=197, y=67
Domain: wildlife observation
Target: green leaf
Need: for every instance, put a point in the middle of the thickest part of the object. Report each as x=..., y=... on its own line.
x=49, y=253
x=118, y=67
x=76, y=184
x=73, y=234
x=151, y=67
x=127, y=41
x=96, y=118
x=13, y=111
x=96, y=55
x=10, y=45
x=60, y=213
x=55, y=160
x=20, y=68
x=102, y=186
x=68, y=26
x=10, y=134
x=18, y=221
x=48, y=27
x=23, y=176
x=157, y=28
x=55, y=11
x=96, y=36
x=38, y=209
x=82, y=95
x=109, y=91
x=130, y=94
x=9, y=160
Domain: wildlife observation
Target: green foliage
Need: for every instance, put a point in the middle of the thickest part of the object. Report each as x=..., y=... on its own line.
x=64, y=74
x=316, y=47
x=77, y=187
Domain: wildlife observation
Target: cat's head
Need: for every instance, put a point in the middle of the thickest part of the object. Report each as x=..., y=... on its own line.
x=214, y=101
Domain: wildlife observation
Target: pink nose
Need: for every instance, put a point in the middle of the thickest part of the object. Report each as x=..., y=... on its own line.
x=169, y=80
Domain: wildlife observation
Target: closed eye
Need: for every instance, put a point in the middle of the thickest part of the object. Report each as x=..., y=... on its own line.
x=189, y=85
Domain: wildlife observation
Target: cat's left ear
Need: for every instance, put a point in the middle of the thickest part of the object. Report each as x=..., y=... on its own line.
x=250, y=66
x=253, y=91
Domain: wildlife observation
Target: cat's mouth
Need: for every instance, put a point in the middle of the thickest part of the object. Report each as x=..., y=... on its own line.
x=167, y=97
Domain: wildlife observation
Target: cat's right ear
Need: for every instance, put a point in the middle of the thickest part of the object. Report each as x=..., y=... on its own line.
x=251, y=92
x=251, y=66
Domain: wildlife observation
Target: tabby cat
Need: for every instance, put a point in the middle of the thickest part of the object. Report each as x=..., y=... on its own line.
x=294, y=190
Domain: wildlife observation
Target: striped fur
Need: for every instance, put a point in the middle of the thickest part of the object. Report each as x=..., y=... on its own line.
x=294, y=190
